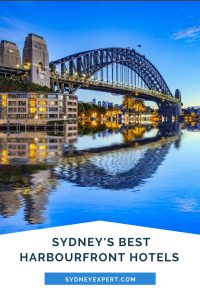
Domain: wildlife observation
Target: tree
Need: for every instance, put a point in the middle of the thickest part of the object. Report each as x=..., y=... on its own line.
x=128, y=103
x=89, y=110
x=139, y=106
x=16, y=85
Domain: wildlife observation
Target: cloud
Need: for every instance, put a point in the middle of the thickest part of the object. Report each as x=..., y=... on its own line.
x=188, y=205
x=189, y=34
x=14, y=29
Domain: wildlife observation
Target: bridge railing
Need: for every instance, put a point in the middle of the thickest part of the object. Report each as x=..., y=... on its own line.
x=135, y=89
x=17, y=67
x=85, y=81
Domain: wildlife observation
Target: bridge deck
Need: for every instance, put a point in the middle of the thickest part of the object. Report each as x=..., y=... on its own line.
x=116, y=88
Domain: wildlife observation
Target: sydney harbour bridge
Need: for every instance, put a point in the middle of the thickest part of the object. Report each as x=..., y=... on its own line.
x=115, y=70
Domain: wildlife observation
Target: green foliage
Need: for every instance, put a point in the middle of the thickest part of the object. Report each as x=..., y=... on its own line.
x=88, y=129
x=16, y=85
x=88, y=108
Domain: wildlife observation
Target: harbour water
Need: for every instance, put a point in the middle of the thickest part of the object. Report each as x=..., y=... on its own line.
x=140, y=174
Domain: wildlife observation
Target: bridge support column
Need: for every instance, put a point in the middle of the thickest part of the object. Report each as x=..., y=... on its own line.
x=168, y=111
x=53, y=86
x=169, y=128
x=179, y=109
x=62, y=87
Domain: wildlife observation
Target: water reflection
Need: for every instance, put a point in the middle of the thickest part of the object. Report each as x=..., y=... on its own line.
x=188, y=205
x=193, y=126
x=104, y=156
x=26, y=186
x=9, y=203
x=115, y=167
x=34, y=147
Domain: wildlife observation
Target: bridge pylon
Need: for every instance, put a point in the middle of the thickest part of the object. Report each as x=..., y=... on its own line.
x=168, y=110
x=36, y=59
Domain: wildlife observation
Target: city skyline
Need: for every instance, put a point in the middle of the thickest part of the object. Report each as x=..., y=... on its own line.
x=173, y=47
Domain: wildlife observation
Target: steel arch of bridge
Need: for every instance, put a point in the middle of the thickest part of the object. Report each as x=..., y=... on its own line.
x=88, y=63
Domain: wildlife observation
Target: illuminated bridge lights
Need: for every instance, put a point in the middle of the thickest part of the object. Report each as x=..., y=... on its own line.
x=137, y=91
x=114, y=70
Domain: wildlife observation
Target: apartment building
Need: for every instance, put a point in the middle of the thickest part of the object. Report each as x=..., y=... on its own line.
x=71, y=106
x=37, y=106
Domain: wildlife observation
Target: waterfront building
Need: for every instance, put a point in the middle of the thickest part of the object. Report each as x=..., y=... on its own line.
x=70, y=103
x=9, y=54
x=36, y=107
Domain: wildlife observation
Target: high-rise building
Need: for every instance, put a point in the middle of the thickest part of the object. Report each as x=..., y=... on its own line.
x=105, y=104
x=9, y=54
x=36, y=58
x=110, y=105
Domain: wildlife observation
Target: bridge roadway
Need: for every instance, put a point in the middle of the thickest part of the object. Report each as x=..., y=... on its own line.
x=115, y=88
x=87, y=83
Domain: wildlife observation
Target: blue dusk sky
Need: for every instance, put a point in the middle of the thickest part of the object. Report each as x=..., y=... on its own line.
x=169, y=33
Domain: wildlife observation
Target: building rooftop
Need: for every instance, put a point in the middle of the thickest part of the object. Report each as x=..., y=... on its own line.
x=8, y=42
x=36, y=35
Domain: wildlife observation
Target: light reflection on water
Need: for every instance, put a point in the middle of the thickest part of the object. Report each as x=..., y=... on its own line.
x=137, y=175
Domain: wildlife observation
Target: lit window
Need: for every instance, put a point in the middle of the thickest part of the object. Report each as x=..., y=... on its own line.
x=42, y=147
x=40, y=66
x=32, y=147
x=32, y=154
x=4, y=97
x=32, y=103
x=42, y=154
x=4, y=103
x=42, y=102
x=32, y=110
x=42, y=109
